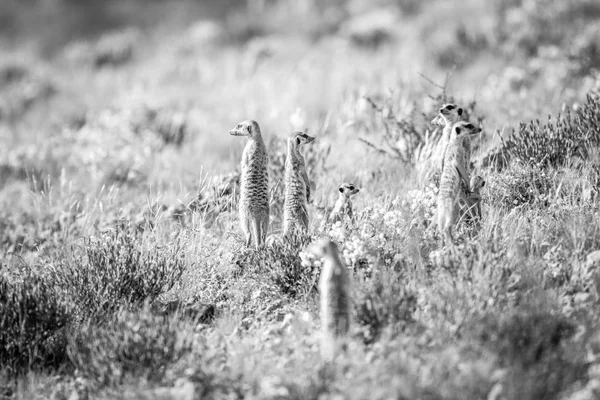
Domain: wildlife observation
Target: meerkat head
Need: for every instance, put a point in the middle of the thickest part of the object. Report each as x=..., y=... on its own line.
x=298, y=139
x=323, y=247
x=448, y=113
x=477, y=182
x=348, y=189
x=247, y=128
x=462, y=129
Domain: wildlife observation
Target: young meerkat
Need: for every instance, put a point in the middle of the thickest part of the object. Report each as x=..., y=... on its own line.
x=297, y=185
x=343, y=205
x=453, y=174
x=335, y=295
x=471, y=212
x=254, y=187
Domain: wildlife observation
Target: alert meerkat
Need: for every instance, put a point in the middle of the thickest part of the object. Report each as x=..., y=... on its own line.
x=471, y=210
x=453, y=174
x=343, y=205
x=334, y=291
x=297, y=185
x=448, y=115
x=254, y=187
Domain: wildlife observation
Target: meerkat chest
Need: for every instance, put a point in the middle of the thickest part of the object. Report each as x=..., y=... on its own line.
x=254, y=162
x=450, y=180
x=342, y=206
x=295, y=183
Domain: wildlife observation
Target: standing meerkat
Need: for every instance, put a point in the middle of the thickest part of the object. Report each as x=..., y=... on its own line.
x=254, y=188
x=334, y=291
x=452, y=175
x=343, y=205
x=297, y=185
x=448, y=115
x=472, y=206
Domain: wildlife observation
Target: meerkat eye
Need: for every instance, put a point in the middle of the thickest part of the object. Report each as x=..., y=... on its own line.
x=460, y=111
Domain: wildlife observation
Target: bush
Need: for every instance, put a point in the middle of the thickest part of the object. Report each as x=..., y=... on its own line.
x=529, y=25
x=385, y=302
x=531, y=343
x=408, y=138
x=520, y=184
x=555, y=143
x=113, y=48
x=130, y=345
x=283, y=265
x=33, y=318
x=116, y=270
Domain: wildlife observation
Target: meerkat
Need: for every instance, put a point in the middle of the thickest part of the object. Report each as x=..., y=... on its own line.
x=343, y=205
x=448, y=115
x=254, y=188
x=452, y=175
x=297, y=185
x=334, y=291
x=472, y=206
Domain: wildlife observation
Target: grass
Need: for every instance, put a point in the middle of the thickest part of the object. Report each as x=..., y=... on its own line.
x=119, y=187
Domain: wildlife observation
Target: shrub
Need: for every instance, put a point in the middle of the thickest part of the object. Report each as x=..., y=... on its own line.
x=531, y=343
x=169, y=125
x=283, y=265
x=130, y=345
x=113, y=48
x=385, y=302
x=520, y=184
x=555, y=143
x=117, y=270
x=33, y=317
x=408, y=138
x=529, y=25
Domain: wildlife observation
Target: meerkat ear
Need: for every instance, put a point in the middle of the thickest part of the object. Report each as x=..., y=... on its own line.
x=341, y=189
x=249, y=129
x=460, y=112
x=457, y=129
x=482, y=183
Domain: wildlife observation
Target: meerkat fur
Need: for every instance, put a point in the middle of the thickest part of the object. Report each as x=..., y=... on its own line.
x=448, y=115
x=343, y=205
x=254, y=190
x=453, y=174
x=335, y=298
x=297, y=186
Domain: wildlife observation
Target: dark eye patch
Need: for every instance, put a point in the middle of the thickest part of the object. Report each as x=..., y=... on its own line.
x=450, y=107
x=469, y=126
x=351, y=187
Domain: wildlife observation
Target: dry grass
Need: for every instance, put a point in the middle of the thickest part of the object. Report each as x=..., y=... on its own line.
x=115, y=201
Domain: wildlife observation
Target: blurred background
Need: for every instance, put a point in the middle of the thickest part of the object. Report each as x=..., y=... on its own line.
x=144, y=92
